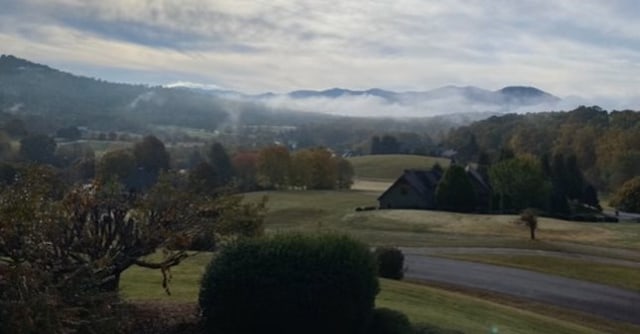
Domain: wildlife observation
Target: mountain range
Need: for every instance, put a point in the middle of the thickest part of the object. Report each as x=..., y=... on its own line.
x=34, y=88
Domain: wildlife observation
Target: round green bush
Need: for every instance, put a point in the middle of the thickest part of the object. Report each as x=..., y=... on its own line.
x=390, y=262
x=388, y=321
x=290, y=284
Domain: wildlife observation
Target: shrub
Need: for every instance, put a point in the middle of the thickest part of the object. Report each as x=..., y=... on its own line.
x=387, y=321
x=390, y=262
x=290, y=284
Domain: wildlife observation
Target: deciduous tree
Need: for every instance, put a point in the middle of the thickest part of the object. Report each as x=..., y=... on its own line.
x=627, y=198
x=522, y=181
x=273, y=166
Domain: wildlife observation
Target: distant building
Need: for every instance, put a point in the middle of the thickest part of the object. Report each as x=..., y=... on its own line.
x=416, y=189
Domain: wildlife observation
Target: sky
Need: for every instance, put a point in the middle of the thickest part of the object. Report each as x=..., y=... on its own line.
x=566, y=47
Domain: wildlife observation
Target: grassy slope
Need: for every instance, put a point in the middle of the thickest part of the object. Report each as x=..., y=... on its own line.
x=323, y=211
x=420, y=303
x=469, y=314
x=318, y=211
x=389, y=167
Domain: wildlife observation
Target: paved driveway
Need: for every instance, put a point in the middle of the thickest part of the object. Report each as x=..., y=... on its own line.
x=598, y=299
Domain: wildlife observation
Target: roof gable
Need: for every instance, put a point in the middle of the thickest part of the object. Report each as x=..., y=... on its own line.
x=423, y=182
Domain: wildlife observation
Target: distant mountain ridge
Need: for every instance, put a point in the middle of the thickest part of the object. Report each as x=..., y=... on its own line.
x=508, y=95
x=36, y=88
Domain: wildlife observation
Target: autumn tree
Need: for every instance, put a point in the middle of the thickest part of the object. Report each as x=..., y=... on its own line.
x=109, y=230
x=627, y=198
x=116, y=165
x=246, y=166
x=273, y=166
x=300, y=174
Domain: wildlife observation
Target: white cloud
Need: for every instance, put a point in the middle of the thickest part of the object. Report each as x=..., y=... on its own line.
x=586, y=47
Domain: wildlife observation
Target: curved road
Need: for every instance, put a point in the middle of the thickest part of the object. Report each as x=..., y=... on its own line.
x=427, y=251
x=598, y=299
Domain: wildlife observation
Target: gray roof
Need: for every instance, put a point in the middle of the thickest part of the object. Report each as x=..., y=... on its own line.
x=424, y=182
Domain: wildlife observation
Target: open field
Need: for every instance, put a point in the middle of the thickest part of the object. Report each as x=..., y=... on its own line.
x=389, y=167
x=333, y=211
x=326, y=211
x=421, y=303
x=100, y=147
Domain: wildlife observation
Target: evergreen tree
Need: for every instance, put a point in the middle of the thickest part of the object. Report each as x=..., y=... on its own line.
x=455, y=191
x=220, y=161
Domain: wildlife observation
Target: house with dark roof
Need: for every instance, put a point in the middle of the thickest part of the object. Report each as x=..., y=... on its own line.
x=416, y=189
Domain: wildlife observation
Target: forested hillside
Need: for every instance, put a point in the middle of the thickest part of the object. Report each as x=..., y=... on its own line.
x=606, y=145
x=46, y=100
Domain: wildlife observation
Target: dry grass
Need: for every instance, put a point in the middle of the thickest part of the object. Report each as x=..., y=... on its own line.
x=389, y=167
x=318, y=211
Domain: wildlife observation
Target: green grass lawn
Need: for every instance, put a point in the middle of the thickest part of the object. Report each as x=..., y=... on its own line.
x=389, y=167
x=615, y=275
x=334, y=211
x=421, y=303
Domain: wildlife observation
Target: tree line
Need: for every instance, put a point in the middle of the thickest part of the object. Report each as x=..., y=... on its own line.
x=605, y=145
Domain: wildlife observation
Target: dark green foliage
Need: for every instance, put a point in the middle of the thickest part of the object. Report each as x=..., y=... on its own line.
x=387, y=145
x=519, y=182
x=484, y=162
x=431, y=329
x=204, y=179
x=290, y=284
x=69, y=133
x=219, y=160
x=390, y=262
x=15, y=128
x=388, y=321
x=151, y=155
x=437, y=168
x=590, y=197
x=38, y=148
x=628, y=196
x=455, y=191
x=7, y=174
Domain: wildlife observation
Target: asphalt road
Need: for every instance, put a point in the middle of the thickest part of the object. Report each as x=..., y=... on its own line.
x=598, y=299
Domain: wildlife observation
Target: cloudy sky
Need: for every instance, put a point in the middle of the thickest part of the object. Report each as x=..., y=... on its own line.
x=566, y=47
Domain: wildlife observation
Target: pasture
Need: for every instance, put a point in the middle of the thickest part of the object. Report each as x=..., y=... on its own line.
x=389, y=166
x=326, y=211
x=469, y=311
